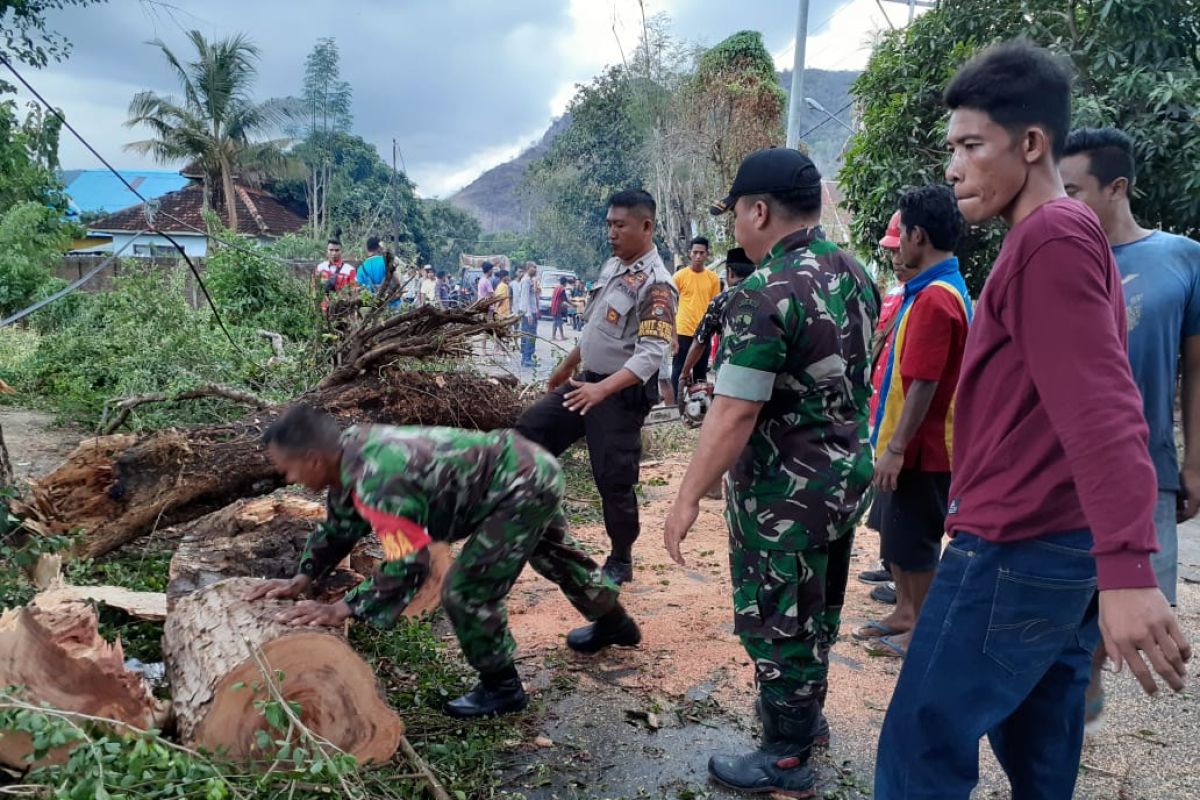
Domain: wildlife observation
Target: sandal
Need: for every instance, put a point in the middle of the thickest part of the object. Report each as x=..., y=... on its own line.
x=886, y=647
x=874, y=630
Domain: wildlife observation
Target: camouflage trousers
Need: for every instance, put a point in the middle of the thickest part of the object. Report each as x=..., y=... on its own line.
x=528, y=526
x=787, y=607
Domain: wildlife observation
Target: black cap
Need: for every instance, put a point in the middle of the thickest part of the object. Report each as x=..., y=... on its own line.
x=770, y=171
x=740, y=264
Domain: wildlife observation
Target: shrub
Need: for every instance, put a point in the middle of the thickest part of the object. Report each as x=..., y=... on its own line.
x=32, y=239
x=259, y=291
x=142, y=336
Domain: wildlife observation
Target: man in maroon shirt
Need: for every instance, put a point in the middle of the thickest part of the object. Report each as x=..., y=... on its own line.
x=1053, y=491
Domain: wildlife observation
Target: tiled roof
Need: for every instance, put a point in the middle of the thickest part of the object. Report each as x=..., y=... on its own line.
x=259, y=213
x=99, y=190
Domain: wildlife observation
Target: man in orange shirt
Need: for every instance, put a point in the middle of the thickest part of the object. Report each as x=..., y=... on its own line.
x=697, y=287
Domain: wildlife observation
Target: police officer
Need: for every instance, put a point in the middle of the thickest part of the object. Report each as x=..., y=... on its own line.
x=628, y=324
x=498, y=493
x=789, y=421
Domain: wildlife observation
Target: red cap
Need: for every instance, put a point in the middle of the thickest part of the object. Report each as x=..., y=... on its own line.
x=891, y=239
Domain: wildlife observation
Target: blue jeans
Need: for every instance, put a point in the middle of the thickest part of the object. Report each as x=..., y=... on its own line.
x=1003, y=647
x=1166, y=560
x=528, y=340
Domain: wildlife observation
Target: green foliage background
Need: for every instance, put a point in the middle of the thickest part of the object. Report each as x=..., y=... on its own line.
x=1138, y=67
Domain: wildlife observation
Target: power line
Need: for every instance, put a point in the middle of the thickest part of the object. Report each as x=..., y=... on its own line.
x=66, y=290
x=827, y=120
x=148, y=209
x=186, y=225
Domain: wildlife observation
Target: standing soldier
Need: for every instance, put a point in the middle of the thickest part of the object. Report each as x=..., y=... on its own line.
x=628, y=326
x=789, y=422
x=411, y=486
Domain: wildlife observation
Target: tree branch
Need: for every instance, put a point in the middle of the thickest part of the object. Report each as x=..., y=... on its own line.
x=126, y=405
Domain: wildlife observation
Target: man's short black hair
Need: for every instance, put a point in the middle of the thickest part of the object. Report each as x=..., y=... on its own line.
x=702, y=241
x=303, y=429
x=441, y=273
x=487, y=267
x=934, y=210
x=1017, y=84
x=335, y=241
x=502, y=273
x=792, y=204
x=1109, y=152
x=635, y=200
x=562, y=281
x=372, y=242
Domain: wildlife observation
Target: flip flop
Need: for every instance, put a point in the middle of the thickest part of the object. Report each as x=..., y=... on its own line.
x=886, y=647
x=873, y=630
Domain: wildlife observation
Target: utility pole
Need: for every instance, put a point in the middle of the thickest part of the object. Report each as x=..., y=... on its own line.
x=913, y=5
x=796, y=99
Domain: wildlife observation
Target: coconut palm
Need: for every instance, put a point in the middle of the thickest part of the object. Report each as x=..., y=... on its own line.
x=216, y=124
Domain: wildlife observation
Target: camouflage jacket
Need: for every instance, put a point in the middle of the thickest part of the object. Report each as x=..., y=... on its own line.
x=797, y=338
x=409, y=486
x=714, y=318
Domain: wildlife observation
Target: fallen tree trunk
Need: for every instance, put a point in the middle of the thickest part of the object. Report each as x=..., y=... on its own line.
x=264, y=537
x=53, y=649
x=117, y=488
x=221, y=651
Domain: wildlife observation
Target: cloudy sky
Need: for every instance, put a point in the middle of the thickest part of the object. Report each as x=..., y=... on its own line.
x=461, y=85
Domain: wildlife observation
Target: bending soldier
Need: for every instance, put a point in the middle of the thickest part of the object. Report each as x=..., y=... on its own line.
x=412, y=485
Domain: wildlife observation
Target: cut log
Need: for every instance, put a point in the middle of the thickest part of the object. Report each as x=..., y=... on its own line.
x=210, y=643
x=117, y=488
x=53, y=649
x=264, y=537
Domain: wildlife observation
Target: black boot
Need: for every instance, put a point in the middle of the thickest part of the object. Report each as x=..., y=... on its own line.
x=615, y=627
x=497, y=693
x=618, y=571
x=780, y=764
x=821, y=726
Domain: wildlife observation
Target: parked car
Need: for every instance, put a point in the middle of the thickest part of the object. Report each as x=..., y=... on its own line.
x=549, y=278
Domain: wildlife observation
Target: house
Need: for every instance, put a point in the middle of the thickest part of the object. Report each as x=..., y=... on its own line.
x=98, y=191
x=179, y=213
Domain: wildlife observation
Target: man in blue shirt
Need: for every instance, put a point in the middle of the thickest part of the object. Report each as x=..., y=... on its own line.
x=1161, y=279
x=373, y=272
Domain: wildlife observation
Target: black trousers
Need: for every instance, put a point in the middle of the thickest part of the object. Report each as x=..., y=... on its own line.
x=699, y=372
x=613, y=431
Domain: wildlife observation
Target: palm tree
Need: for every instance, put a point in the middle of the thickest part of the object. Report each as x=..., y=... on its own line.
x=216, y=123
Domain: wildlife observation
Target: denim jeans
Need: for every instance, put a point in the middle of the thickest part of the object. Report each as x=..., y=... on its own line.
x=1166, y=560
x=1003, y=647
x=529, y=331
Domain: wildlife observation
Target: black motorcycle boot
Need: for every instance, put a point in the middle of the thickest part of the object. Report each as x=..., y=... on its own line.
x=780, y=764
x=821, y=735
x=497, y=693
x=615, y=627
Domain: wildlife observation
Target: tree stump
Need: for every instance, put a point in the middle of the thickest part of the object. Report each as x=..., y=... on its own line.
x=264, y=537
x=53, y=649
x=210, y=641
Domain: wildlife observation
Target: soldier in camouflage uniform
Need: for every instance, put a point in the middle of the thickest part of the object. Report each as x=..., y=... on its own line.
x=497, y=491
x=789, y=421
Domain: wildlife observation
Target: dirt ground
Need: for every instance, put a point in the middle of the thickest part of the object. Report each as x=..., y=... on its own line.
x=642, y=722
x=35, y=444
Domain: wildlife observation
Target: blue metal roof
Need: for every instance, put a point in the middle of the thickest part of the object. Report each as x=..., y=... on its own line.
x=99, y=189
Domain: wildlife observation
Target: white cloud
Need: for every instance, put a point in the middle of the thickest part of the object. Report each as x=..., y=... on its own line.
x=443, y=179
x=844, y=40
